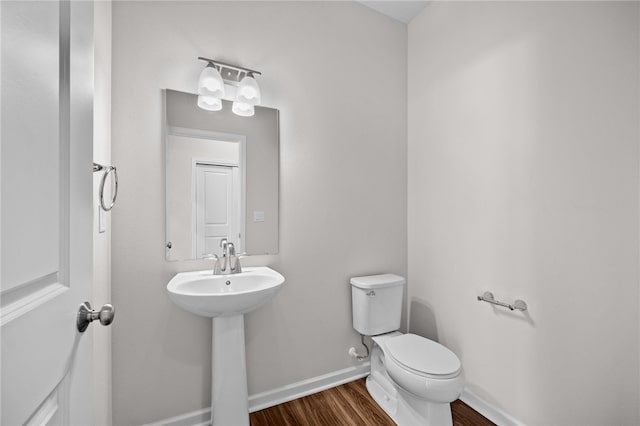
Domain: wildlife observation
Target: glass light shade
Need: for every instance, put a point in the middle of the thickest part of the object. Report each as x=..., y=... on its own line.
x=210, y=103
x=243, y=109
x=249, y=91
x=210, y=82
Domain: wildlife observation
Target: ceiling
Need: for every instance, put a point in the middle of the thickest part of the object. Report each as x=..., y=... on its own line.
x=401, y=10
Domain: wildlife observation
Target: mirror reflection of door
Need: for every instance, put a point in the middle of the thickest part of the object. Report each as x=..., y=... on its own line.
x=193, y=135
x=217, y=208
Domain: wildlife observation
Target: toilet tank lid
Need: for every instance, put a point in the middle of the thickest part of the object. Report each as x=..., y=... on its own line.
x=377, y=281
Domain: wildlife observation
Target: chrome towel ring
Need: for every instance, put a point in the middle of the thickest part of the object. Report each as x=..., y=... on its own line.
x=108, y=169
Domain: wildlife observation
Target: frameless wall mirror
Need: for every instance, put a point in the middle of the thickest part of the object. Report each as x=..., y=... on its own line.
x=221, y=174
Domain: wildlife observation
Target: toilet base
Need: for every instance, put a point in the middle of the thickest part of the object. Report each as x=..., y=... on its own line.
x=404, y=408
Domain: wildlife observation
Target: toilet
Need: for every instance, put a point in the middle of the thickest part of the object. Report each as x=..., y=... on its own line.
x=412, y=378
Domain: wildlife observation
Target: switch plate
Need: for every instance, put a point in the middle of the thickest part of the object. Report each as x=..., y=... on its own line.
x=258, y=216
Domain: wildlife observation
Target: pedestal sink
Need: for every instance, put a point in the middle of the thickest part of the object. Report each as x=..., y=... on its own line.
x=226, y=298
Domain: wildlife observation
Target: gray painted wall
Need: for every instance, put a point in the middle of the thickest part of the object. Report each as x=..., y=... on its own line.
x=337, y=73
x=523, y=180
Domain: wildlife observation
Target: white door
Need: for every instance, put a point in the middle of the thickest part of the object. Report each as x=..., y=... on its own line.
x=46, y=211
x=217, y=208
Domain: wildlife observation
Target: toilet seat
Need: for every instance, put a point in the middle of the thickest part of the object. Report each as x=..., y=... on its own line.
x=423, y=357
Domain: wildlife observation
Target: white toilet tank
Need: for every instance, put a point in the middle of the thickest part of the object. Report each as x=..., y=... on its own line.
x=377, y=303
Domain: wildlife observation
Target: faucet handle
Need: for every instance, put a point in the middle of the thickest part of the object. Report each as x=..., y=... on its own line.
x=223, y=243
x=216, y=265
x=237, y=267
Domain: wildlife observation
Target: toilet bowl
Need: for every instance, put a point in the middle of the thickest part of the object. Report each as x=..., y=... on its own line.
x=412, y=378
x=423, y=367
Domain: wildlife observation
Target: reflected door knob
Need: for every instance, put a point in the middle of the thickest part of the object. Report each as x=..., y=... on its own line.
x=86, y=315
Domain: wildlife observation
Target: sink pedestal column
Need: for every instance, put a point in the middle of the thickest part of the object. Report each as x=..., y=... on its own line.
x=229, y=395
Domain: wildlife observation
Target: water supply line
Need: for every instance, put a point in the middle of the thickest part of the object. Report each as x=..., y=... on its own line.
x=354, y=354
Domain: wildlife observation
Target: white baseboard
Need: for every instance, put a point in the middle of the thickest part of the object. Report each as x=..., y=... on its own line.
x=283, y=394
x=496, y=415
x=194, y=418
x=267, y=399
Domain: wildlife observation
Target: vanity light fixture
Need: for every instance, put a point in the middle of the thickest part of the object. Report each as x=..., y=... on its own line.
x=242, y=109
x=210, y=103
x=220, y=81
x=249, y=91
x=210, y=82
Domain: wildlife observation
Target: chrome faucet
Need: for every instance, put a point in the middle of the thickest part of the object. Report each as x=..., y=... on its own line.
x=229, y=259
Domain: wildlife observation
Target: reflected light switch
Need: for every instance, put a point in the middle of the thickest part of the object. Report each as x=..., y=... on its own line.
x=258, y=216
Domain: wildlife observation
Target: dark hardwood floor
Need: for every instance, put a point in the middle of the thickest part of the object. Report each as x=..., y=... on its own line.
x=346, y=405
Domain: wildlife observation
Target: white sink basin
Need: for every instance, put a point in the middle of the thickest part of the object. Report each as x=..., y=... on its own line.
x=209, y=295
x=225, y=299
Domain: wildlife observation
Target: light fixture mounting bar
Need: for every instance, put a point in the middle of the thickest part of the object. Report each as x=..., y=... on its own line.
x=225, y=65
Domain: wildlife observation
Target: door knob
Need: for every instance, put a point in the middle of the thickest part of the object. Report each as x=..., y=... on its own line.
x=86, y=315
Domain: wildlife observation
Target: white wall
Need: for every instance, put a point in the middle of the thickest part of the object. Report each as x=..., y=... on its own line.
x=523, y=180
x=102, y=241
x=337, y=72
